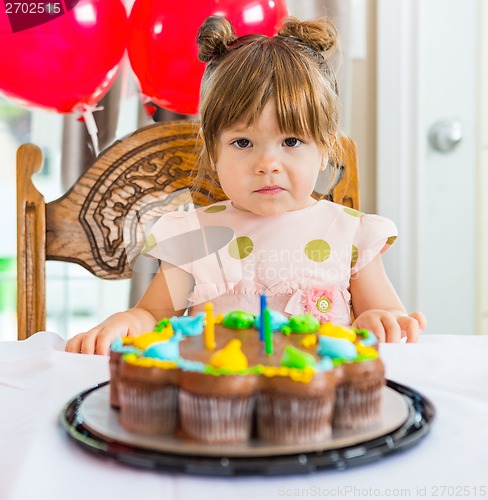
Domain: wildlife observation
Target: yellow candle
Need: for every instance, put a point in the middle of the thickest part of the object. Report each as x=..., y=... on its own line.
x=209, y=328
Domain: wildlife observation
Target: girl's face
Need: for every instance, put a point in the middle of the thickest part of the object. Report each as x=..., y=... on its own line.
x=267, y=172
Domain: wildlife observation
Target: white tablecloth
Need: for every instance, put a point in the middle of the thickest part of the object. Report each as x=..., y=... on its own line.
x=38, y=461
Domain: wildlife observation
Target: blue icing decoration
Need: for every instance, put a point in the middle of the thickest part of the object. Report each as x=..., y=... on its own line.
x=278, y=320
x=188, y=325
x=166, y=351
x=118, y=346
x=324, y=365
x=336, y=348
x=191, y=366
x=368, y=338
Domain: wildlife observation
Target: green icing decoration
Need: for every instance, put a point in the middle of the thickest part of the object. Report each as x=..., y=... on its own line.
x=364, y=357
x=340, y=361
x=238, y=319
x=295, y=358
x=161, y=325
x=301, y=323
x=363, y=332
x=252, y=370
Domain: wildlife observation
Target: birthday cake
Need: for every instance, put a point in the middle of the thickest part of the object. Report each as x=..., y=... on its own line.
x=237, y=377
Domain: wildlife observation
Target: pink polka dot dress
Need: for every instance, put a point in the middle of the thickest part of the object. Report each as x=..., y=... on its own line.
x=301, y=260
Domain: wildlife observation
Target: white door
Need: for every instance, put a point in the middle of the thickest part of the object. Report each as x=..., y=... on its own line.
x=427, y=74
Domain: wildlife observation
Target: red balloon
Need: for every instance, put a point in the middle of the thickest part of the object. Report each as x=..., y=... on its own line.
x=162, y=43
x=65, y=63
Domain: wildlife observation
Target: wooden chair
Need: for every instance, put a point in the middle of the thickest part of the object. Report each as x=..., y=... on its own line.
x=126, y=187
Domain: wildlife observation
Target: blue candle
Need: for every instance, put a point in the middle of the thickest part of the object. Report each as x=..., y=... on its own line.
x=261, y=317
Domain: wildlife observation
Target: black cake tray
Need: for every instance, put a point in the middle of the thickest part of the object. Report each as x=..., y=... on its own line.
x=92, y=424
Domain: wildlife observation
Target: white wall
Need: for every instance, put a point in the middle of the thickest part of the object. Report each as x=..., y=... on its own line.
x=482, y=304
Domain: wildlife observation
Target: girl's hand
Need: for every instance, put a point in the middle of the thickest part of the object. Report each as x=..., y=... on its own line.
x=376, y=306
x=97, y=340
x=392, y=326
x=157, y=302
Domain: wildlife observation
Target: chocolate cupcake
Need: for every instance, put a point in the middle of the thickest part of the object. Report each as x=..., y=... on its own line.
x=296, y=404
x=132, y=345
x=359, y=393
x=117, y=351
x=216, y=406
x=358, y=398
x=148, y=396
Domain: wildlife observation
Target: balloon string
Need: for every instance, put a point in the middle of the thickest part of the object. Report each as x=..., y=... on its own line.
x=91, y=126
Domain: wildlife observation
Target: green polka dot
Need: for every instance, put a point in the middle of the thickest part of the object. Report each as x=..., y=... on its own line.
x=149, y=243
x=215, y=209
x=354, y=256
x=317, y=250
x=391, y=240
x=241, y=247
x=354, y=213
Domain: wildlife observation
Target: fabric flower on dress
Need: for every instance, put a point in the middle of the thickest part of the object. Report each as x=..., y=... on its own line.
x=320, y=302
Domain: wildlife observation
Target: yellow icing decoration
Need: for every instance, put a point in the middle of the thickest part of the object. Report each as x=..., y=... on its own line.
x=218, y=319
x=143, y=341
x=275, y=371
x=230, y=357
x=295, y=374
x=338, y=332
x=309, y=340
x=209, y=328
x=366, y=350
x=133, y=359
x=304, y=375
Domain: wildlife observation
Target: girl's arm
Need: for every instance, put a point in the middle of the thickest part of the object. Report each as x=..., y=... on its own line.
x=162, y=299
x=377, y=307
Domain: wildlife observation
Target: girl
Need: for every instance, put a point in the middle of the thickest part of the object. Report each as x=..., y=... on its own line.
x=269, y=115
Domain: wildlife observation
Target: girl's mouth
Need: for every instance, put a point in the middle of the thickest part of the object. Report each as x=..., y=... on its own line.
x=270, y=190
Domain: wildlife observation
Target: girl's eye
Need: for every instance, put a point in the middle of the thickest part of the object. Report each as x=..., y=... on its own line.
x=292, y=142
x=242, y=143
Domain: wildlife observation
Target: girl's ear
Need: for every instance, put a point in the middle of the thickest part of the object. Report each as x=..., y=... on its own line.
x=325, y=162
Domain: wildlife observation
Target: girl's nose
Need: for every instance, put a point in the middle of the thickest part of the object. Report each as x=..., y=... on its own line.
x=267, y=164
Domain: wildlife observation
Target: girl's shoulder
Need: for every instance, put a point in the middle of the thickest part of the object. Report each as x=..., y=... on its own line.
x=352, y=214
x=196, y=211
x=338, y=209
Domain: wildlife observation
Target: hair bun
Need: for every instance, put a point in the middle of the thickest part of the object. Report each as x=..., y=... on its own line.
x=214, y=37
x=319, y=34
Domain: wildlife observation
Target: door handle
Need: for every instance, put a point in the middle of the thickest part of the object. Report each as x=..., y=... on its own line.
x=445, y=135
